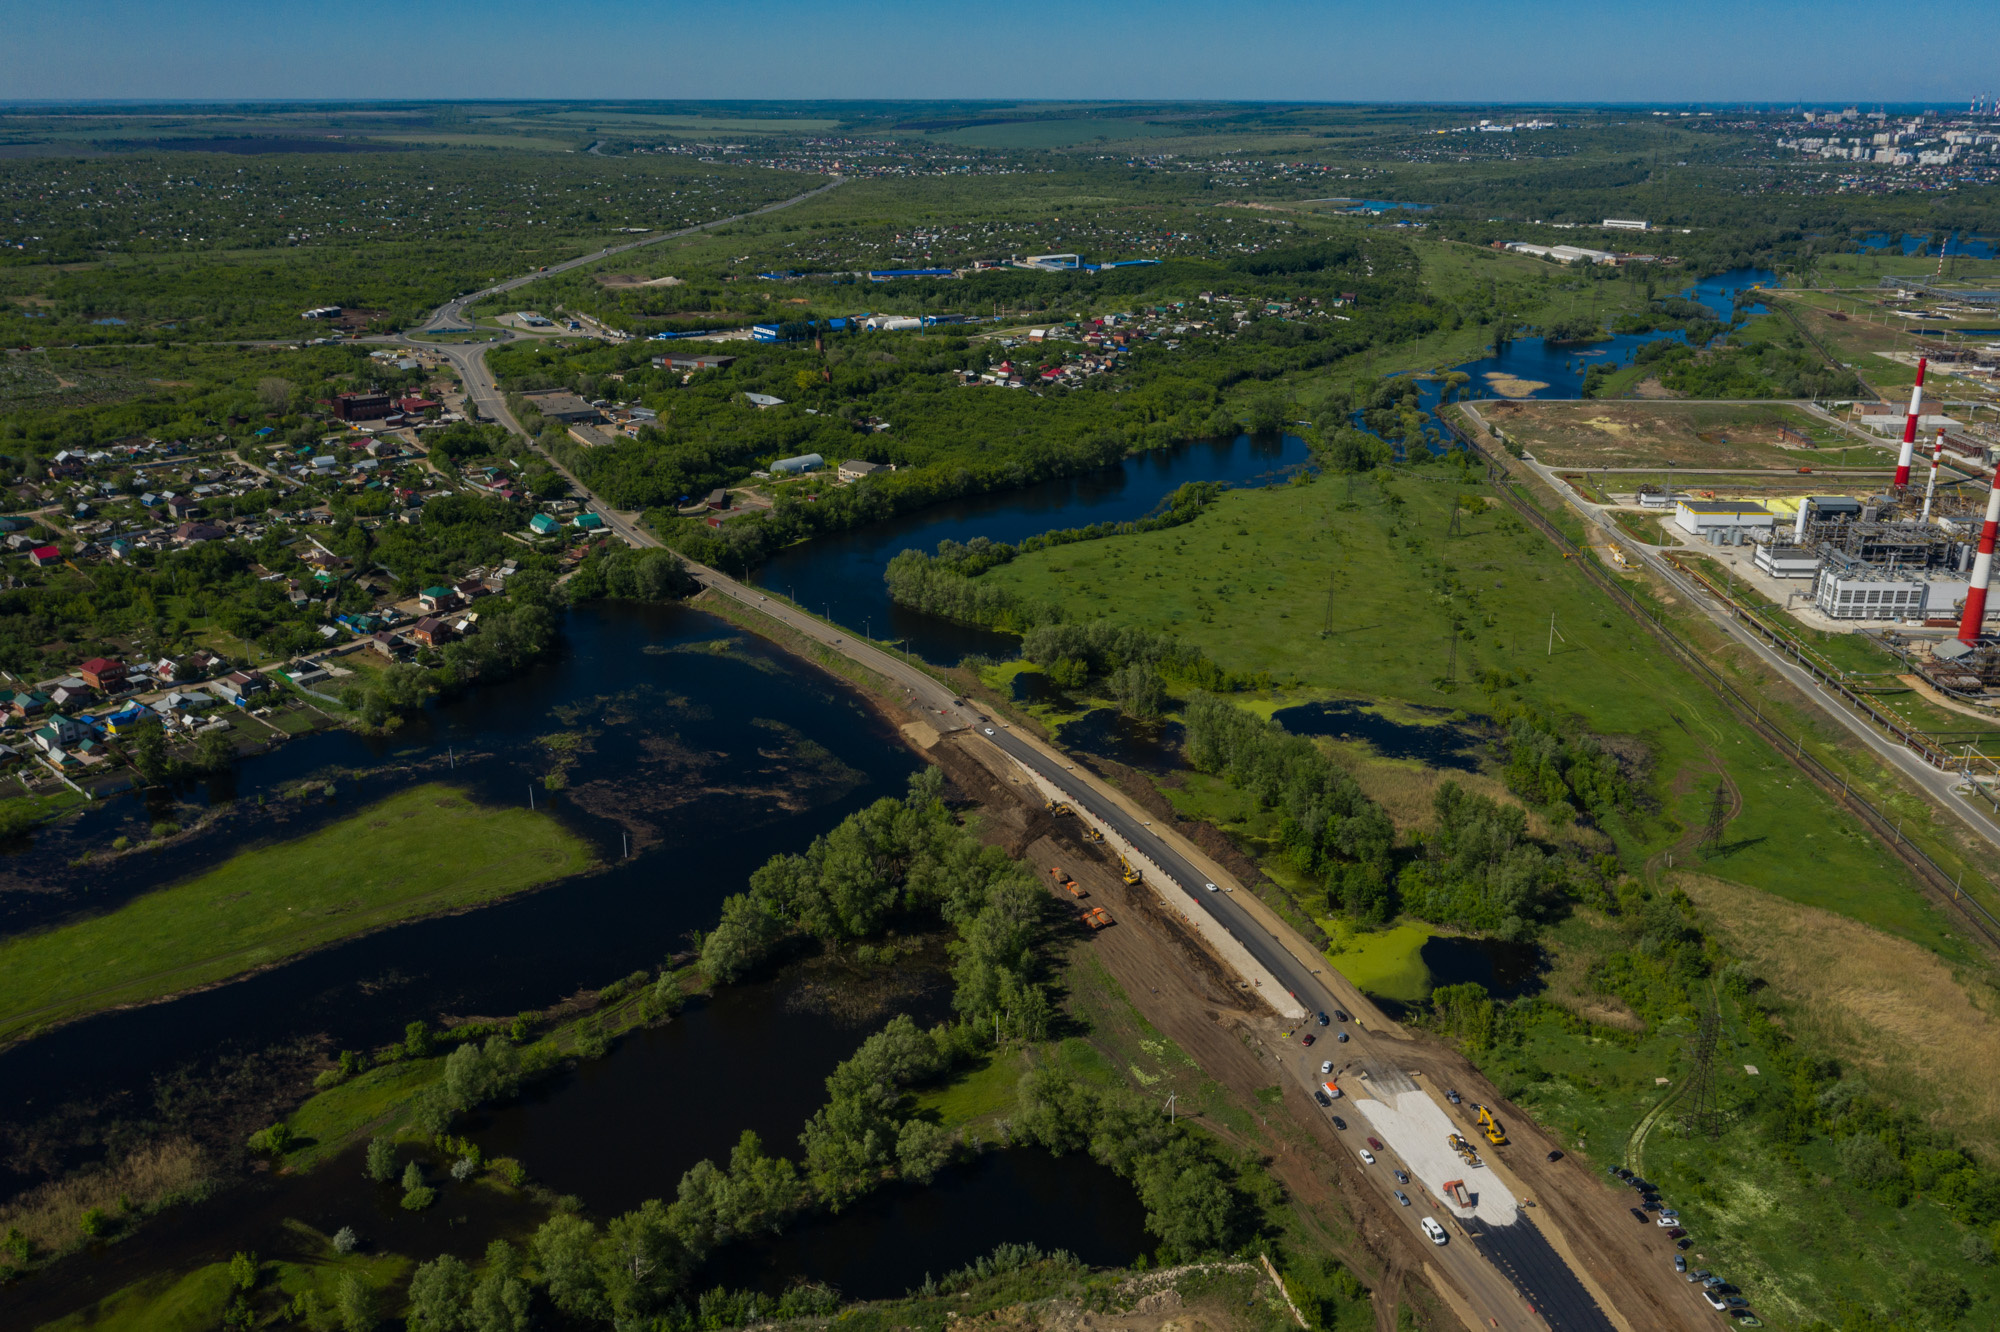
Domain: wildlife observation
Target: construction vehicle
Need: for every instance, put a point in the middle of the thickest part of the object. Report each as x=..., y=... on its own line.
x=1057, y=808
x=1096, y=917
x=1090, y=834
x=1464, y=1149
x=1491, y=1127
x=1454, y=1189
x=1126, y=872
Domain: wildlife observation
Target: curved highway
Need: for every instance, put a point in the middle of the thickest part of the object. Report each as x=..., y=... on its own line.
x=1506, y=1277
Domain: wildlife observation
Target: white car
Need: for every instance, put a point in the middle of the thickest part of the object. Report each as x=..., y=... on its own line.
x=1668, y=1220
x=1367, y=1157
x=1433, y=1230
x=1209, y=886
x=989, y=730
x=1326, y=1067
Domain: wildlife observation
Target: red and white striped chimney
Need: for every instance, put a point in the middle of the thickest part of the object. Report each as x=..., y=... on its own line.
x=1930, y=487
x=1982, y=568
x=1910, y=426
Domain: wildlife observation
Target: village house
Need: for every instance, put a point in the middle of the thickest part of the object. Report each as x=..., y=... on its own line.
x=101, y=673
x=241, y=687
x=432, y=632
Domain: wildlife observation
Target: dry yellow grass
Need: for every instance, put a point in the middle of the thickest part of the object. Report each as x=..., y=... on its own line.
x=1922, y=1034
x=1407, y=792
x=51, y=1215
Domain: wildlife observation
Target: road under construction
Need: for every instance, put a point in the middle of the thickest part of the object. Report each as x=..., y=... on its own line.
x=1567, y=1265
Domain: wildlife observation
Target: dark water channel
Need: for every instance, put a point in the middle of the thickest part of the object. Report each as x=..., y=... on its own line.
x=1441, y=744
x=840, y=576
x=1506, y=970
x=889, y=1242
x=707, y=751
x=706, y=748
x=619, y=1131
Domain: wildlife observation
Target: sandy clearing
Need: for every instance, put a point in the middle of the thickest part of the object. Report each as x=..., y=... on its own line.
x=1418, y=1130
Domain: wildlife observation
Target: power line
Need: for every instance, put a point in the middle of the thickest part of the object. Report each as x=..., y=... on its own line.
x=1702, y=1115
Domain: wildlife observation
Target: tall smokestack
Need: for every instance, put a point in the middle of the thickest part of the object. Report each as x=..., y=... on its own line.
x=1982, y=568
x=1910, y=426
x=1930, y=487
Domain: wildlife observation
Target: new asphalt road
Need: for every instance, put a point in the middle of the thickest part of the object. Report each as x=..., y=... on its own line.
x=1518, y=1282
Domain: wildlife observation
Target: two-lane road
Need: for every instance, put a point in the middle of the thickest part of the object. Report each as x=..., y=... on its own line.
x=453, y=311
x=1521, y=1294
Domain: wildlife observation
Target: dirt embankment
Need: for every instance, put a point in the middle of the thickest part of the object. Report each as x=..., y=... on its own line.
x=1192, y=998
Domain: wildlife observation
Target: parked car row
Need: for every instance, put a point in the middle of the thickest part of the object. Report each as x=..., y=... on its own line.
x=1652, y=1210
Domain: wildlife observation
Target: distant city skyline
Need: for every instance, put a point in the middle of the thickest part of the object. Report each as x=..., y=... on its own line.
x=1699, y=51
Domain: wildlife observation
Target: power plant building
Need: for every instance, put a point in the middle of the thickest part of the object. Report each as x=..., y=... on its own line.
x=1866, y=592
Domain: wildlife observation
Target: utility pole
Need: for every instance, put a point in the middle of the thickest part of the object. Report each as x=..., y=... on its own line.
x=1703, y=1116
x=1718, y=819
x=531, y=795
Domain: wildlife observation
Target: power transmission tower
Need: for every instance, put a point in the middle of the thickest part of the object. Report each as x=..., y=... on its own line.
x=1702, y=1115
x=1454, y=529
x=1718, y=819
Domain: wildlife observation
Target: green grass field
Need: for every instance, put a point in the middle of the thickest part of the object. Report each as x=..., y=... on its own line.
x=416, y=853
x=1351, y=585
x=197, y=1301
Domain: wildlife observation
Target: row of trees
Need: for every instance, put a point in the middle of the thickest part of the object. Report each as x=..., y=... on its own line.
x=1330, y=828
x=898, y=860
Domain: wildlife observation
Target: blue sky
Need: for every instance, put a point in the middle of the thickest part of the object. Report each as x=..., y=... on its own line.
x=1435, y=50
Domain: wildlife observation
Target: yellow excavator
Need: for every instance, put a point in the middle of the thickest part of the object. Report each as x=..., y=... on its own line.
x=1126, y=872
x=1090, y=834
x=1057, y=808
x=1491, y=1128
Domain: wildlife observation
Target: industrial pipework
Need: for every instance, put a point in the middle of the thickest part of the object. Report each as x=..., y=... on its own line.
x=1982, y=568
x=1910, y=426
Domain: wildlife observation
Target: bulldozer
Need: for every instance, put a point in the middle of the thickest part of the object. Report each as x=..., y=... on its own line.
x=1090, y=834
x=1126, y=871
x=1491, y=1127
x=1057, y=808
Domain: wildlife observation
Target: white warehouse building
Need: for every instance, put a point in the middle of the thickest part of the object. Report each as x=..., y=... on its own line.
x=1722, y=522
